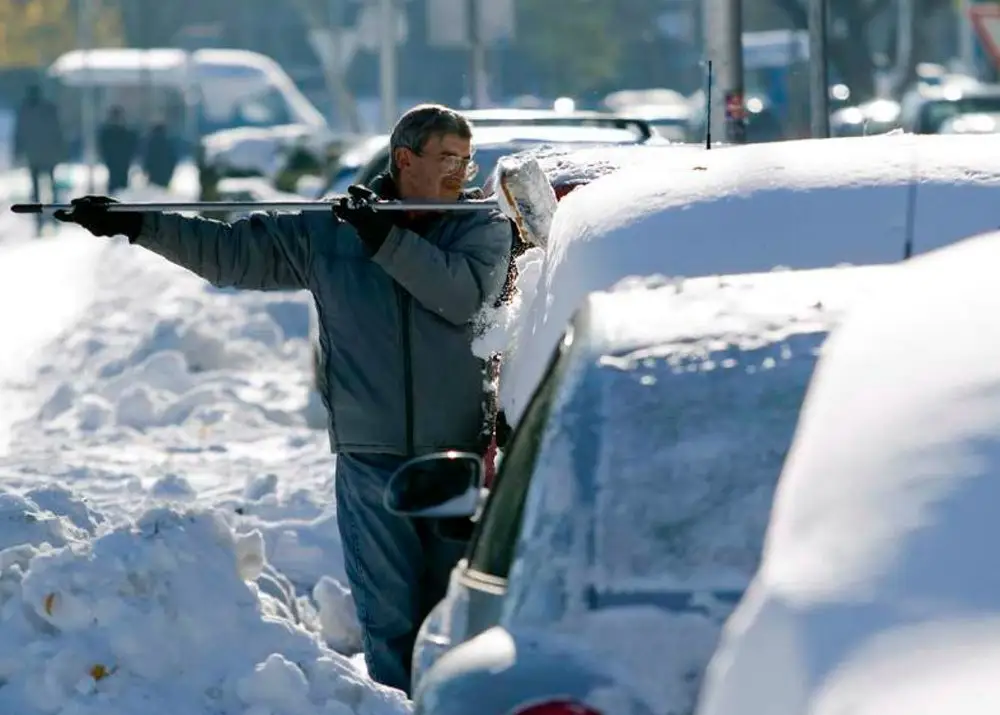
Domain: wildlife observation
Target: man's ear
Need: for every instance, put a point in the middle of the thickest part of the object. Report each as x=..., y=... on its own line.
x=402, y=157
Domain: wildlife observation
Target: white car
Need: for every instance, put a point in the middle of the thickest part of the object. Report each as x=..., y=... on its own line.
x=746, y=209
x=878, y=590
x=628, y=512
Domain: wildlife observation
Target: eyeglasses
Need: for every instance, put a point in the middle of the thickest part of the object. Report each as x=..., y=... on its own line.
x=454, y=164
x=451, y=164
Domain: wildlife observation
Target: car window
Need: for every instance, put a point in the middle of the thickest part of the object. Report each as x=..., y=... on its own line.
x=495, y=538
x=663, y=475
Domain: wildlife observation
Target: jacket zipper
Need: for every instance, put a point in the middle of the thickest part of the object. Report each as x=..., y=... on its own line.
x=405, y=306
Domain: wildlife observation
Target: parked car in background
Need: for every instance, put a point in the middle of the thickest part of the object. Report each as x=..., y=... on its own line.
x=926, y=111
x=198, y=93
x=877, y=116
x=628, y=512
x=982, y=123
x=490, y=144
x=877, y=591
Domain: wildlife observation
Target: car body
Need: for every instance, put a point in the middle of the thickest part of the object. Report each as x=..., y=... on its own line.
x=877, y=591
x=199, y=92
x=637, y=485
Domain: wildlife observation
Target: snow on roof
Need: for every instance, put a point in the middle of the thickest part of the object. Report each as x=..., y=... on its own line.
x=568, y=133
x=698, y=314
x=742, y=209
x=877, y=592
x=128, y=61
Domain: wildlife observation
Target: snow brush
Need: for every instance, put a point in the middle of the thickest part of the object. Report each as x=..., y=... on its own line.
x=525, y=196
x=324, y=205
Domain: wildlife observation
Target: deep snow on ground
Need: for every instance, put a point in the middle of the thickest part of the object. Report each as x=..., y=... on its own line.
x=168, y=538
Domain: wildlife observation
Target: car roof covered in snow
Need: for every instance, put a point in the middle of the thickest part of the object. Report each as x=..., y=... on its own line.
x=798, y=204
x=878, y=592
x=697, y=314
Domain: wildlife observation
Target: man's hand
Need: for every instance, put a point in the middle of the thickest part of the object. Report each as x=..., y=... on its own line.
x=91, y=212
x=372, y=226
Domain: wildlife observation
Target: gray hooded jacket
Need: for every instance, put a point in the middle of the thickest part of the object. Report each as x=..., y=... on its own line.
x=395, y=329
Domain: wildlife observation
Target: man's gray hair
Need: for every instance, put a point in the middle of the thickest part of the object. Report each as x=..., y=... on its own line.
x=419, y=124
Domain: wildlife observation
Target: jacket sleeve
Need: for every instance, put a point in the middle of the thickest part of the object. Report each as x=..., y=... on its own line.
x=454, y=283
x=264, y=251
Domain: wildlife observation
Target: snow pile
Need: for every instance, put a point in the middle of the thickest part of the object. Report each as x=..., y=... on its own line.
x=804, y=204
x=569, y=165
x=876, y=592
x=181, y=369
x=499, y=325
x=171, y=391
x=160, y=615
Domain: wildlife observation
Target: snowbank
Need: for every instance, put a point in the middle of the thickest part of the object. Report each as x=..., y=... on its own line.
x=167, y=390
x=803, y=204
x=876, y=594
x=57, y=280
x=160, y=615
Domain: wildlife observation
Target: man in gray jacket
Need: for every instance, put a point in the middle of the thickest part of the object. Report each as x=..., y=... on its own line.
x=396, y=297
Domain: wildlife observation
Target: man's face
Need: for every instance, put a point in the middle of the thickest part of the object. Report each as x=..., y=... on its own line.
x=439, y=171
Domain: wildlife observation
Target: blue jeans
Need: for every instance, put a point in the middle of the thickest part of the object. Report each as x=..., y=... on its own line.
x=397, y=567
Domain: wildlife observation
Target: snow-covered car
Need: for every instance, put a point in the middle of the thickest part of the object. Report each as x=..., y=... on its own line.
x=877, y=591
x=628, y=511
x=745, y=209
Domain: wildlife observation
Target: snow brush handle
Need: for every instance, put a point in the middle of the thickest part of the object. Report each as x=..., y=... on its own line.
x=263, y=206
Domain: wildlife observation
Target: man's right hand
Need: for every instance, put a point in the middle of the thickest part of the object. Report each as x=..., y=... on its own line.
x=91, y=212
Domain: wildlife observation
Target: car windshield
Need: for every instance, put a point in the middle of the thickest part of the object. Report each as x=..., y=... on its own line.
x=675, y=459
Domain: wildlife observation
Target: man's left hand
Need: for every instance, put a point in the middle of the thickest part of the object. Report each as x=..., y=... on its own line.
x=372, y=226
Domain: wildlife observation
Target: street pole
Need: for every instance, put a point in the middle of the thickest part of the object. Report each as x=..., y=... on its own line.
x=966, y=38
x=819, y=75
x=480, y=83
x=387, y=63
x=723, y=27
x=88, y=110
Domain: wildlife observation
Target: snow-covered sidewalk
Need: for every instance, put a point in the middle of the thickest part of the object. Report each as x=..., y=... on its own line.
x=166, y=485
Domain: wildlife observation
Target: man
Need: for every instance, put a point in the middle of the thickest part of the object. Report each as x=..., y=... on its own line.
x=396, y=296
x=39, y=143
x=117, y=143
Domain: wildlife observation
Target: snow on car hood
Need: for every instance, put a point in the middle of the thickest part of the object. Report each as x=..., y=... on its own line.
x=804, y=204
x=876, y=593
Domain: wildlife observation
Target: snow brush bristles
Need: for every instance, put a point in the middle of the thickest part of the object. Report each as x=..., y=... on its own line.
x=526, y=197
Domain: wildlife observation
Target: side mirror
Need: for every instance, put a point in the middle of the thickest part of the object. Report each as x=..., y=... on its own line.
x=444, y=484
